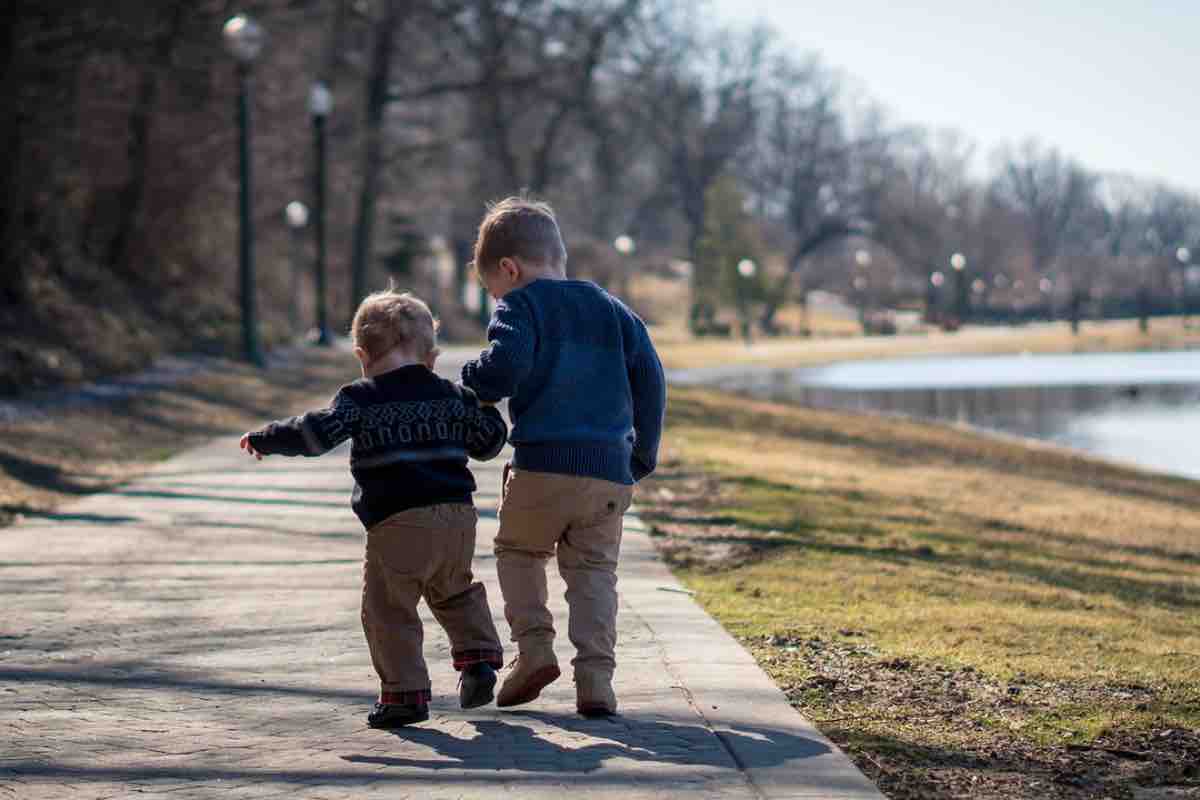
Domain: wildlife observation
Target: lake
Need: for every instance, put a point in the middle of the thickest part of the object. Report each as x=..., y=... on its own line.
x=1140, y=408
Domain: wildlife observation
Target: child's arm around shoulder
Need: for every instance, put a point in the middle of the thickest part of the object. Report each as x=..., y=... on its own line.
x=310, y=434
x=486, y=431
x=499, y=370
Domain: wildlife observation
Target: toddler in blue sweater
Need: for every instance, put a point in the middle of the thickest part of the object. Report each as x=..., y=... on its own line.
x=586, y=399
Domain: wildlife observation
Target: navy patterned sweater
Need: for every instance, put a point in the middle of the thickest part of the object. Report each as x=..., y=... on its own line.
x=412, y=433
x=587, y=391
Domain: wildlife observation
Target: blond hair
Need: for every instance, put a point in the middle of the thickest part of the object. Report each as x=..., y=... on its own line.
x=389, y=319
x=519, y=227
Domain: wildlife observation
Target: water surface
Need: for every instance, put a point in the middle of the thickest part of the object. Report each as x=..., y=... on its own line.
x=1140, y=408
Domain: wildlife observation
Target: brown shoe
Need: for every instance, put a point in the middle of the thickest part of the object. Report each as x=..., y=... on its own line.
x=594, y=695
x=533, y=671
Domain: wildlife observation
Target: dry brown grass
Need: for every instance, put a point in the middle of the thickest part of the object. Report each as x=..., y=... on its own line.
x=935, y=598
x=50, y=458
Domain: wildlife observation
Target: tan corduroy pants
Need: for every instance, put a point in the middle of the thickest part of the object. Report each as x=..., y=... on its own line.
x=579, y=521
x=424, y=552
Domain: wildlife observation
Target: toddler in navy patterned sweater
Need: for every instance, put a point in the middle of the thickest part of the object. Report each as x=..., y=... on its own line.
x=412, y=432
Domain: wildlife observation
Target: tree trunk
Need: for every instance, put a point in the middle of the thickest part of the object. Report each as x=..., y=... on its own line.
x=333, y=44
x=774, y=301
x=12, y=273
x=377, y=98
x=131, y=198
x=828, y=232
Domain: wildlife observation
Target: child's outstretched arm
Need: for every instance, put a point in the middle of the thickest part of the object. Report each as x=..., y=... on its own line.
x=648, y=385
x=499, y=370
x=486, y=431
x=310, y=434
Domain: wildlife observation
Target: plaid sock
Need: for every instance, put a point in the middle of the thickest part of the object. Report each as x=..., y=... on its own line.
x=465, y=658
x=412, y=697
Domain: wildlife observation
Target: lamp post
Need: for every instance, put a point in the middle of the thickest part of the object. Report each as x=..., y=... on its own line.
x=746, y=269
x=244, y=39
x=862, y=258
x=320, y=103
x=296, y=216
x=936, y=279
x=1184, y=256
x=1046, y=286
x=958, y=262
x=625, y=245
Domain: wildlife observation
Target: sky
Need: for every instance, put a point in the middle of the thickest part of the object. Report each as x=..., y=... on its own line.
x=1112, y=83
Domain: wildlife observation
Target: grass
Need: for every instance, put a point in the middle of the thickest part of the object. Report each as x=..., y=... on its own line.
x=47, y=458
x=959, y=611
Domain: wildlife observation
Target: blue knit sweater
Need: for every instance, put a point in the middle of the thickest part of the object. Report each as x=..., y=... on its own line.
x=586, y=390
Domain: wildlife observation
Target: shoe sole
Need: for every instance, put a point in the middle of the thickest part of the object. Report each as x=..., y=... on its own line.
x=387, y=724
x=532, y=688
x=593, y=711
x=483, y=695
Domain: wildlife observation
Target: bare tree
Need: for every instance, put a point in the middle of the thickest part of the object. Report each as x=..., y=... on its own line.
x=1172, y=222
x=166, y=22
x=702, y=113
x=377, y=84
x=12, y=266
x=821, y=166
x=1053, y=195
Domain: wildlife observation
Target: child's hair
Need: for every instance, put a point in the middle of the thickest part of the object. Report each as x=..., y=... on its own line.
x=518, y=227
x=389, y=319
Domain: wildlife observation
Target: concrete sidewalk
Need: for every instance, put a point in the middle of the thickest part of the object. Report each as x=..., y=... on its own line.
x=196, y=634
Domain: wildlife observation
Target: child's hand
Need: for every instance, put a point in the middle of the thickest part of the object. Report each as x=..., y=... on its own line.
x=249, y=448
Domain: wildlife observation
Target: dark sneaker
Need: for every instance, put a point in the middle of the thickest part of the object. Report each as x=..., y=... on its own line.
x=476, y=685
x=396, y=715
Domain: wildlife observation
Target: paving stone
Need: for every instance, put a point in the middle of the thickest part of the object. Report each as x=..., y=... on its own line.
x=195, y=633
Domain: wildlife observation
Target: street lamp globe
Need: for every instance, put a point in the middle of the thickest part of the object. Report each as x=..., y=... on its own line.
x=862, y=258
x=1184, y=255
x=860, y=283
x=958, y=261
x=320, y=100
x=937, y=279
x=1046, y=285
x=244, y=38
x=624, y=244
x=296, y=214
x=746, y=268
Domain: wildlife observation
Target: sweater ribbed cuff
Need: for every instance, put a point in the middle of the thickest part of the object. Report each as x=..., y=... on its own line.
x=585, y=460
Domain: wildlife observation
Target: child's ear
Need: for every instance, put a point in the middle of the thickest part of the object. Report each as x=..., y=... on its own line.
x=431, y=358
x=511, y=268
x=362, y=356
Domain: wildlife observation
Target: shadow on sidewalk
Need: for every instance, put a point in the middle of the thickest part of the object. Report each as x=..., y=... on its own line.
x=500, y=743
x=30, y=513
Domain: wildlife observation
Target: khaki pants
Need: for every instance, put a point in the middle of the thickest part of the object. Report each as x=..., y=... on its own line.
x=424, y=552
x=579, y=520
